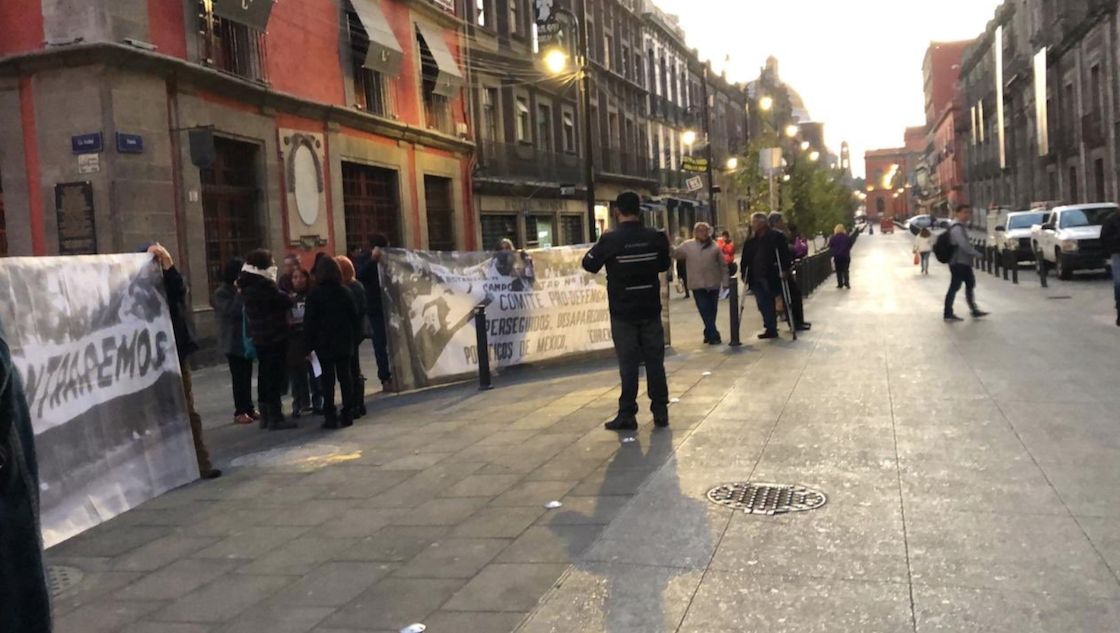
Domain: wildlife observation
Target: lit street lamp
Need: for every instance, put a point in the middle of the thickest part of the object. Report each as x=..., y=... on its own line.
x=732, y=163
x=766, y=103
x=555, y=61
x=804, y=145
x=688, y=137
x=814, y=156
x=792, y=130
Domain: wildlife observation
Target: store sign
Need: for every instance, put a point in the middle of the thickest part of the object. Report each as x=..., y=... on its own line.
x=694, y=164
x=73, y=203
x=696, y=183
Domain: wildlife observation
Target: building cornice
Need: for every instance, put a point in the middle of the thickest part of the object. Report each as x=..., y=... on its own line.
x=206, y=79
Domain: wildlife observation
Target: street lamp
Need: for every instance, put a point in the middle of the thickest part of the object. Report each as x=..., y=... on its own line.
x=688, y=137
x=766, y=103
x=804, y=145
x=792, y=130
x=732, y=163
x=814, y=155
x=556, y=61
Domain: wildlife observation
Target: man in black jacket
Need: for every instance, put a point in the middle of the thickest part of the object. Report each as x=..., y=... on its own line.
x=186, y=345
x=369, y=274
x=635, y=256
x=1110, y=236
x=765, y=263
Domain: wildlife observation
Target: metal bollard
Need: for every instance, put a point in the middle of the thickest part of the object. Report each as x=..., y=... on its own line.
x=1015, y=269
x=484, y=383
x=997, y=259
x=733, y=304
x=1007, y=259
x=1041, y=264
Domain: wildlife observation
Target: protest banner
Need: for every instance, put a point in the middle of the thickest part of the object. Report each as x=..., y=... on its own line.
x=540, y=305
x=91, y=338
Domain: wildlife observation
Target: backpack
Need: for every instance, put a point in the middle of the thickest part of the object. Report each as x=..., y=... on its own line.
x=944, y=248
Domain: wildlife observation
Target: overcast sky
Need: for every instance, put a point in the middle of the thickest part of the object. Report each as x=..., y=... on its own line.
x=857, y=63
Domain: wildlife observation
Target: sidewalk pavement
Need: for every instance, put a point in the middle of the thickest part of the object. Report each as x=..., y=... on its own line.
x=969, y=471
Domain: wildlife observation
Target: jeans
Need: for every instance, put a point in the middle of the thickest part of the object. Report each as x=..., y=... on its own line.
x=842, y=266
x=380, y=348
x=764, y=298
x=925, y=262
x=271, y=374
x=241, y=375
x=707, y=303
x=635, y=342
x=962, y=274
x=1116, y=279
x=336, y=369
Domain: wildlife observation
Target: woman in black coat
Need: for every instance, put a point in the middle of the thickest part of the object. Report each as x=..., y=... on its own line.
x=331, y=326
x=266, y=312
x=358, y=290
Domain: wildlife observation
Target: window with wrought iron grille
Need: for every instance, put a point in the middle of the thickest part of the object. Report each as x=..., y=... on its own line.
x=440, y=212
x=371, y=204
x=571, y=230
x=373, y=91
x=231, y=47
x=497, y=227
x=490, y=114
x=570, y=131
x=524, y=135
x=437, y=108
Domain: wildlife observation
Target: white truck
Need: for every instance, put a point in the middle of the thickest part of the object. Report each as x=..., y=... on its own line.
x=1069, y=238
x=1011, y=231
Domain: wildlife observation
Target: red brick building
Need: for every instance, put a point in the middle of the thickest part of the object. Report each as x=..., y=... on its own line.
x=329, y=121
x=889, y=173
x=941, y=175
x=940, y=71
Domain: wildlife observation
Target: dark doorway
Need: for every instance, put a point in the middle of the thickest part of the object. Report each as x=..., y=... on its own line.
x=371, y=205
x=441, y=213
x=229, y=206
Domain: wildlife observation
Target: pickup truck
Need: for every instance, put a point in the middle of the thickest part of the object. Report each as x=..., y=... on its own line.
x=1069, y=238
x=1011, y=231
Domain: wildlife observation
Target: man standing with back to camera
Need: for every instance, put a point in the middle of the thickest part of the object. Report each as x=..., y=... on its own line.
x=635, y=256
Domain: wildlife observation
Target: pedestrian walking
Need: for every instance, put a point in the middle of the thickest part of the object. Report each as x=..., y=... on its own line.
x=306, y=395
x=1110, y=237
x=266, y=313
x=25, y=603
x=960, y=266
x=840, y=245
x=634, y=257
x=369, y=273
x=923, y=245
x=331, y=323
x=185, y=345
x=707, y=276
x=230, y=308
x=764, y=264
x=796, y=301
x=357, y=405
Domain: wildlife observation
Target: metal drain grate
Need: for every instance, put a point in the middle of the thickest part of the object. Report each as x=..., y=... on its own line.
x=766, y=499
x=62, y=578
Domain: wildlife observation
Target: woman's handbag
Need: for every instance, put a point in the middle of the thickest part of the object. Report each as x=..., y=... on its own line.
x=247, y=341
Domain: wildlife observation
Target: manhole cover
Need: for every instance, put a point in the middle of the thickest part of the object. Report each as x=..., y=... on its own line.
x=62, y=578
x=766, y=499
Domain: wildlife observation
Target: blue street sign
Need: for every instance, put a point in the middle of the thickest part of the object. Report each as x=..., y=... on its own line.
x=130, y=143
x=91, y=143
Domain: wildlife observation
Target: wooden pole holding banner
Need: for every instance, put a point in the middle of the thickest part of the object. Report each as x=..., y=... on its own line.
x=484, y=381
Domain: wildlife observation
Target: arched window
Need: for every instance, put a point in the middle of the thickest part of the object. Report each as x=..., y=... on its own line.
x=880, y=206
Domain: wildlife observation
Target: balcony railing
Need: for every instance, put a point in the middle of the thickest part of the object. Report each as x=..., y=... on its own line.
x=624, y=164
x=525, y=161
x=234, y=48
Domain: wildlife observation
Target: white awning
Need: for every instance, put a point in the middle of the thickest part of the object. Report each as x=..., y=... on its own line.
x=450, y=77
x=251, y=13
x=385, y=52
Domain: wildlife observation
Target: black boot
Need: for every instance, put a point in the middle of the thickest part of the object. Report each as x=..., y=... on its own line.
x=661, y=419
x=345, y=420
x=278, y=422
x=622, y=422
x=330, y=419
x=266, y=416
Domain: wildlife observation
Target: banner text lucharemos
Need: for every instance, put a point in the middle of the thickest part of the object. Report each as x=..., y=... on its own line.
x=91, y=337
x=540, y=305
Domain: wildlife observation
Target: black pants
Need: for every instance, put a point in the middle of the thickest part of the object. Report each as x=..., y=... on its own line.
x=301, y=378
x=357, y=379
x=272, y=374
x=796, y=302
x=842, y=266
x=635, y=342
x=241, y=375
x=380, y=348
x=336, y=369
x=962, y=274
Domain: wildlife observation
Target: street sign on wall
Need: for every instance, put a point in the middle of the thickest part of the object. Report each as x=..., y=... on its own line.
x=91, y=143
x=696, y=183
x=694, y=164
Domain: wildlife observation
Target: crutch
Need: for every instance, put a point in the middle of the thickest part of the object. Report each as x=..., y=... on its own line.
x=786, y=296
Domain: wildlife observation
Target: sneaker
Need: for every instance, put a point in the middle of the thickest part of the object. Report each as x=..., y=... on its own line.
x=622, y=423
x=979, y=314
x=242, y=418
x=768, y=334
x=952, y=318
x=256, y=415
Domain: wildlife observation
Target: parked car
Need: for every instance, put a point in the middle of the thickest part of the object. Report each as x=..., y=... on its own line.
x=1013, y=233
x=919, y=222
x=1070, y=238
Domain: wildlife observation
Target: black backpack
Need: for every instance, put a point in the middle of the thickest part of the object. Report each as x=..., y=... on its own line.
x=944, y=248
